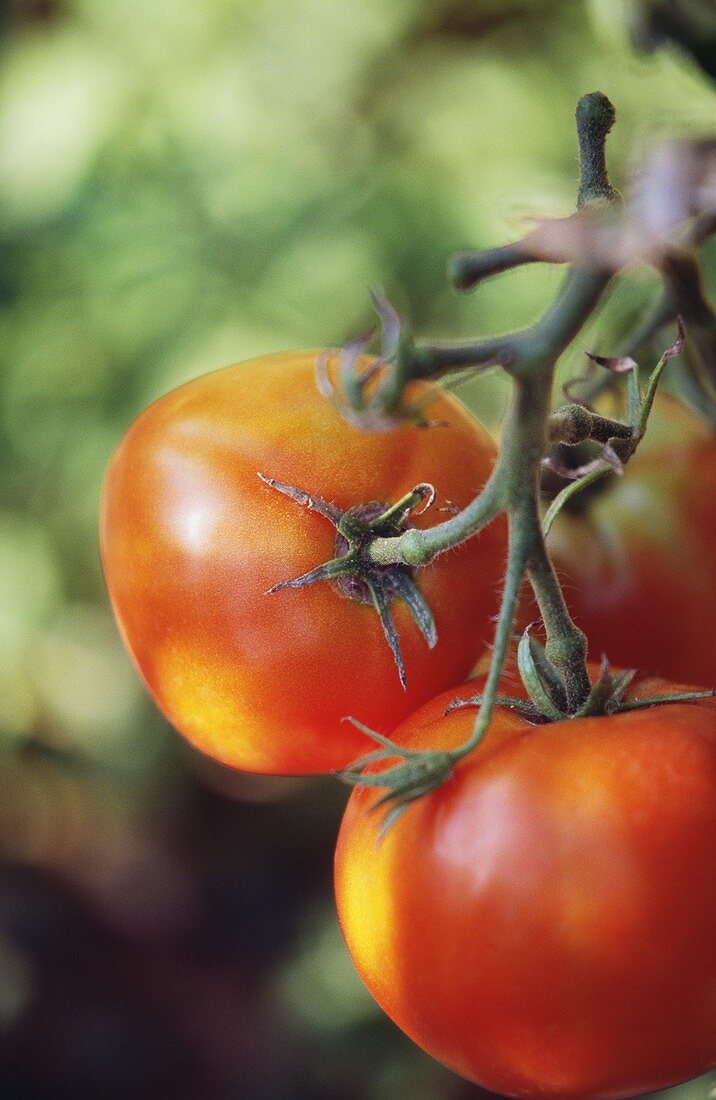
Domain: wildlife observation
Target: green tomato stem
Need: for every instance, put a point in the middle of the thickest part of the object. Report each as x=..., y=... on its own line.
x=516, y=565
x=595, y=117
x=529, y=357
x=417, y=546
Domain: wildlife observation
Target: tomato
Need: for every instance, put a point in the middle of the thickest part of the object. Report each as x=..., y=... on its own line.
x=192, y=539
x=543, y=923
x=639, y=565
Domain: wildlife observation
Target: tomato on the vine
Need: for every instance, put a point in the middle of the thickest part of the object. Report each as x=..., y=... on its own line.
x=639, y=558
x=192, y=540
x=543, y=922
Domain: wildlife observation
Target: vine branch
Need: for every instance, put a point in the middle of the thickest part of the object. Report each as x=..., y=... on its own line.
x=530, y=357
x=598, y=240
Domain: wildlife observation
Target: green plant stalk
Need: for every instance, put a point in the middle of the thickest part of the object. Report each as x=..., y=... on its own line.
x=519, y=467
x=514, y=575
x=515, y=484
x=530, y=354
x=530, y=357
x=513, y=489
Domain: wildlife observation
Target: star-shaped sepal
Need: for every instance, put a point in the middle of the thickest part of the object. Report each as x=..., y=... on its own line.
x=355, y=575
x=408, y=775
x=547, y=691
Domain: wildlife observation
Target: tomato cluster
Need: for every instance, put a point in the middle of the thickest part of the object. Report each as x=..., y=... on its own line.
x=542, y=922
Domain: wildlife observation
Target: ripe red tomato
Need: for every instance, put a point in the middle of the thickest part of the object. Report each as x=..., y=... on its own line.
x=543, y=923
x=192, y=539
x=639, y=563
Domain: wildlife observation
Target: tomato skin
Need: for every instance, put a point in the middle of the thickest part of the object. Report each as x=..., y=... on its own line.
x=191, y=540
x=639, y=566
x=543, y=923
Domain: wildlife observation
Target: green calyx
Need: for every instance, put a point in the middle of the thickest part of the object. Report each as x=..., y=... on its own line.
x=414, y=775
x=547, y=692
x=355, y=575
x=410, y=774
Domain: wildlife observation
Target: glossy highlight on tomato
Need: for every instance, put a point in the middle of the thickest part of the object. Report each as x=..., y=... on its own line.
x=543, y=923
x=638, y=562
x=192, y=539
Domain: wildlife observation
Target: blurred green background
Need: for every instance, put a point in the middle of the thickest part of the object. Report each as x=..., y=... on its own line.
x=186, y=183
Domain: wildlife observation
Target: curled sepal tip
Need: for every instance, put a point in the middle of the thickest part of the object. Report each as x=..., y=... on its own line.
x=615, y=363
x=392, y=324
x=370, y=395
x=413, y=775
x=414, y=503
x=618, y=449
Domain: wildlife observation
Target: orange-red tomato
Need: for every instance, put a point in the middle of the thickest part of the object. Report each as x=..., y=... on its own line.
x=192, y=539
x=543, y=923
x=639, y=564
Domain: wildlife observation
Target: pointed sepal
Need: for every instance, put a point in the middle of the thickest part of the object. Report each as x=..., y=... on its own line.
x=356, y=576
x=401, y=584
x=382, y=607
x=408, y=776
x=307, y=500
x=330, y=570
x=544, y=685
x=523, y=706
